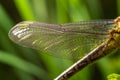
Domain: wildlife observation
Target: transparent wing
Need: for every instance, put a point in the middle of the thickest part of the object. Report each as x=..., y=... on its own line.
x=73, y=40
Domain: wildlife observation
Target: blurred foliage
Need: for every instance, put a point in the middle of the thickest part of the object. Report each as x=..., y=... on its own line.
x=113, y=77
x=18, y=63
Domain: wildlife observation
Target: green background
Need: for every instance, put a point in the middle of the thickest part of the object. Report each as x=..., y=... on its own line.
x=19, y=63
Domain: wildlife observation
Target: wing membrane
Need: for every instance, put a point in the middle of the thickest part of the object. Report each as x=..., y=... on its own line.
x=73, y=40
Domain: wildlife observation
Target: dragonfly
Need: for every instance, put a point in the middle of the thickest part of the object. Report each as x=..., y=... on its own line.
x=86, y=41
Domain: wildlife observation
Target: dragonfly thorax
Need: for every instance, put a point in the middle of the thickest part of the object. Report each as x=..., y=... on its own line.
x=117, y=22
